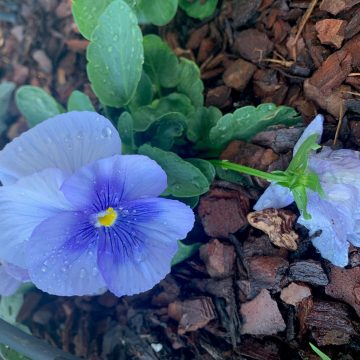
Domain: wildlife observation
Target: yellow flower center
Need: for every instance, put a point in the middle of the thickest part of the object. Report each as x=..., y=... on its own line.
x=107, y=218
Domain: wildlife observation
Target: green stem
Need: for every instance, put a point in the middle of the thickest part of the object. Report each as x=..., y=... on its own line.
x=248, y=170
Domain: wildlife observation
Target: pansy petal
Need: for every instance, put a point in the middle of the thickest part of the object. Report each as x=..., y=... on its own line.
x=67, y=141
x=16, y=272
x=61, y=256
x=339, y=166
x=114, y=179
x=142, y=244
x=8, y=284
x=332, y=241
x=23, y=206
x=315, y=127
x=345, y=198
x=275, y=196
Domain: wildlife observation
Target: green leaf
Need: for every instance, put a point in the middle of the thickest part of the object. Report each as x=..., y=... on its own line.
x=198, y=9
x=145, y=116
x=6, y=90
x=78, y=101
x=169, y=127
x=160, y=63
x=200, y=123
x=11, y=305
x=115, y=55
x=300, y=159
x=234, y=177
x=190, y=201
x=144, y=93
x=301, y=200
x=36, y=104
x=184, y=179
x=205, y=167
x=158, y=12
x=190, y=82
x=184, y=252
x=7, y=353
x=86, y=14
x=125, y=127
x=247, y=121
x=318, y=351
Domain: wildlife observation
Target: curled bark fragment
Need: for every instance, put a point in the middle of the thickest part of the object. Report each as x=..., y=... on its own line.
x=192, y=314
x=277, y=224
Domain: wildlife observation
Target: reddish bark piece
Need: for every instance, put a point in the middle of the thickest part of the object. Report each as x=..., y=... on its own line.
x=253, y=45
x=107, y=300
x=332, y=72
x=336, y=6
x=281, y=140
x=77, y=45
x=17, y=128
x=219, y=96
x=269, y=86
x=218, y=258
x=223, y=211
x=197, y=36
x=278, y=225
x=355, y=132
x=167, y=291
x=344, y=285
x=261, y=246
x=258, y=350
x=63, y=10
x=206, y=49
x=265, y=272
x=330, y=323
x=295, y=293
x=243, y=11
x=261, y=316
x=192, y=314
x=351, y=48
x=353, y=26
x=42, y=60
x=330, y=102
x=308, y=271
x=331, y=31
x=250, y=155
x=238, y=74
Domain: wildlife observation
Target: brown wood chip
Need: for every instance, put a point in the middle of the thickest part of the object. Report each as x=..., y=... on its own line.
x=261, y=316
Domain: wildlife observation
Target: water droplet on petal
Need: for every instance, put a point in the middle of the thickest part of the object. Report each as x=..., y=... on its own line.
x=106, y=132
x=44, y=268
x=138, y=254
x=82, y=273
x=125, y=212
x=95, y=271
x=80, y=135
x=48, y=140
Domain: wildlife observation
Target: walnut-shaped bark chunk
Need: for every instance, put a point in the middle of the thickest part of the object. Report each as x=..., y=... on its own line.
x=278, y=225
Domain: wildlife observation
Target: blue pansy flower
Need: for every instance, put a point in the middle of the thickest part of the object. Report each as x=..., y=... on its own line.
x=335, y=219
x=80, y=218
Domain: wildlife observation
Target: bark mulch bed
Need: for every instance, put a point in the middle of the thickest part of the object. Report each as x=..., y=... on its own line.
x=240, y=297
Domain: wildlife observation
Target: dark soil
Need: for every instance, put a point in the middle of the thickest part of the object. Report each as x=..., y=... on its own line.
x=240, y=297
